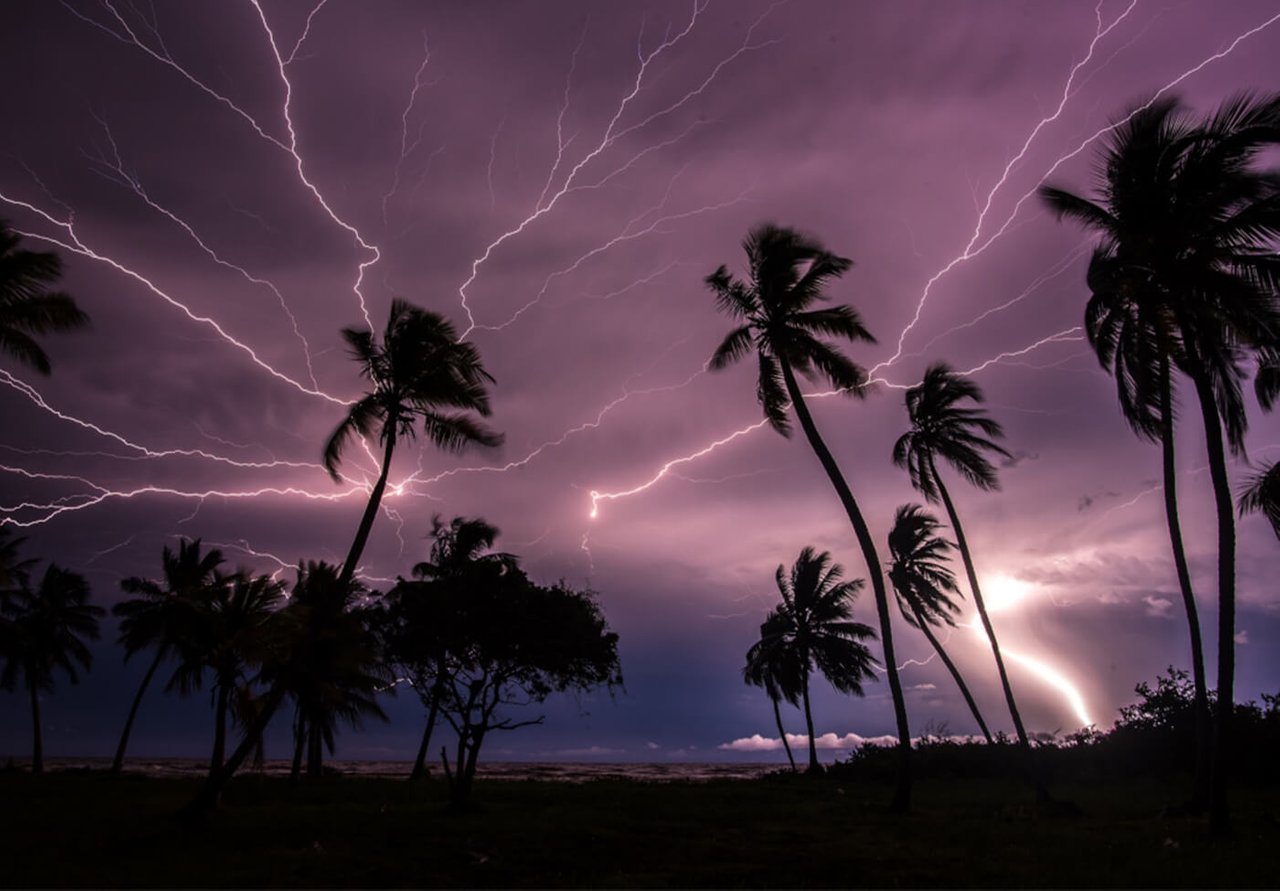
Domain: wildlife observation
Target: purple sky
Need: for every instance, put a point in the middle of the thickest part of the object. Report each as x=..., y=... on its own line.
x=562, y=176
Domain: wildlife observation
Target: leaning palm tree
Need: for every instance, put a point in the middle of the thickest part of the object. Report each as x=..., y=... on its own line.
x=812, y=626
x=925, y=585
x=787, y=274
x=776, y=670
x=163, y=615
x=1188, y=224
x=419, y=372
x=45, y=631
x=962, y=437
x=27, y=308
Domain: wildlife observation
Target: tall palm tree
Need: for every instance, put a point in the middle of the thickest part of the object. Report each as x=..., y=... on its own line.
x=419, y=372
x=787, y=274
x=45, y=631
x=774, y=668
x=925, y=585
x=27, y=308
x=163, y=615
x=238, y=619
x=813, y=627
x=1188, y=225
x=963, y=437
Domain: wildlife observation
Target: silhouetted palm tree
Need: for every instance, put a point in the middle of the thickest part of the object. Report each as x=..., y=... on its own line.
x=163, y=615
x=774, y=667
x=45, y=631
x=1187, y=224
x=420, y=372
x=27, y=308
x=814, y=627
x=925, y=584
x=788, y=272
x=14, y=570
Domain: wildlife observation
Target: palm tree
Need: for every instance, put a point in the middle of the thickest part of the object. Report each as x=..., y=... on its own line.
x=775, y=669
x=812, y=627
x=925, y=585
x=27, y=308
x=788, y=272
x=419, y=371
x=45, y=631
x=239, y=615
x=962, y=437
x=163, y=615
x=1187, y=221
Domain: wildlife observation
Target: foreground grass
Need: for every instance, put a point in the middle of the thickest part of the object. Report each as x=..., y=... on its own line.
x=92, y=829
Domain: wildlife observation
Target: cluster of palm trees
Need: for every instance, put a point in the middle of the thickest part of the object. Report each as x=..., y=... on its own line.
x=1185, y=287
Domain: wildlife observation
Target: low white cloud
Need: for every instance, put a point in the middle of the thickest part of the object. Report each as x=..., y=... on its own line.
x=827, y=741
x=922, y=687
x=1242, y=637
x=1158, y=607
x=652, y=746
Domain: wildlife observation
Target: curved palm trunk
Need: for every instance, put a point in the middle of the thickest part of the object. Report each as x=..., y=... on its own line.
x=420, y=763
x=220, y=729
x=814, y=766
x=955, y=674
x=902, y=795
x=117, y=763
x=371, y=509
x=211, y=792
x=782, y=734
x=37, y=741
x=315, y=751
x=1041, y=793
x=1219, y=814
x=1200, y=789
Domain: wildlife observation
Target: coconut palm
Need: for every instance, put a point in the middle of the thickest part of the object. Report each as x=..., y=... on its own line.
x=27, y=308
x=813, y=630
x=419, y=372
x=1188, y=224
x=164, y=616
x=46, y=631
x=775, y=304
x=925, y=585
x=776, y=670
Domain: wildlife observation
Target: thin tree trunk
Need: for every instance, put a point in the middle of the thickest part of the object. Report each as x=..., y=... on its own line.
x=955, y=674
x=117, y=763
x=1200, y=789
x=420, y=763
x=782, y=735
x=299, y=742
x=211, y=792
x=219, y=729
x=37, y=742
x=814, y=766
x=1041, y=793
x=371, y=509
x=902, y=794
x=315, y=751
x=1219, y=812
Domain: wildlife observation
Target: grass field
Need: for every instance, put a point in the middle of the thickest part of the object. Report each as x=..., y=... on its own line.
x=92, y=829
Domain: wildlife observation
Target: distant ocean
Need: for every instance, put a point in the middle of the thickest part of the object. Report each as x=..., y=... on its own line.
x=551, y=771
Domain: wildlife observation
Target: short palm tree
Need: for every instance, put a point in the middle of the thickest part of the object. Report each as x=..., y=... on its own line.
x=774, y=668
x=420, y=372
x=163, y=616
x=46, y=630
x=27, y=308
x=1188, y=224
x=925, y=585
x=779, y=324
x=813, y=627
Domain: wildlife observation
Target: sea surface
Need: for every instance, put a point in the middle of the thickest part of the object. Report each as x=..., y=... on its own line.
x=552, y=771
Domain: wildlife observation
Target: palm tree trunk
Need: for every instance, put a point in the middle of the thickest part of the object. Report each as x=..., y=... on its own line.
x=782, y=735
x=371, y=509
x=1200, y=789
x=902, y=795
x=315, y=751
x=37, y=742
x=955, y=673
x=420, y=763
x=211, y=792
x=299, y=742
x=117, y=763
x=219, y=729
x=1219, y=813
x=1041, y=793
x=814, y=766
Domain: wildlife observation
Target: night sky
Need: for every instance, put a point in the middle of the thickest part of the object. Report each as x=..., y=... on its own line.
x=230, y=184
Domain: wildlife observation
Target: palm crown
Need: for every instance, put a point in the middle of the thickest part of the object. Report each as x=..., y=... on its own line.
x=919, y=571
x=27, y=308
x=787, y=274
